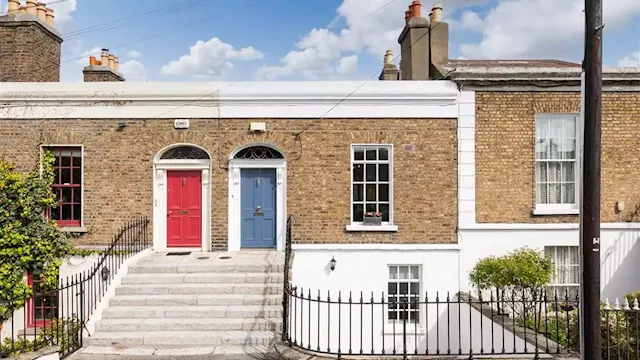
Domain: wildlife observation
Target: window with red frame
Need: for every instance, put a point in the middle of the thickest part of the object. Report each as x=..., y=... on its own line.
x=67, y=185
x=43, y=305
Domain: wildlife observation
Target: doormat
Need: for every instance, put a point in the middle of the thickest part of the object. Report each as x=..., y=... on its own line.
x=179, y=253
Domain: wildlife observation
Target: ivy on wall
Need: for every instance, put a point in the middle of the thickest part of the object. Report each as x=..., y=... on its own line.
x=28, y=240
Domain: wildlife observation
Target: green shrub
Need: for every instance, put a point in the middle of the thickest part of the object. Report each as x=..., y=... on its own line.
x=63, y=333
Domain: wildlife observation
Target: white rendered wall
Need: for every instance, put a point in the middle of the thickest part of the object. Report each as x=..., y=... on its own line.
x=620, y=250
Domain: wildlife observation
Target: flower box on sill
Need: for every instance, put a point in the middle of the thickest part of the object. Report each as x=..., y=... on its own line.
x=372, y=219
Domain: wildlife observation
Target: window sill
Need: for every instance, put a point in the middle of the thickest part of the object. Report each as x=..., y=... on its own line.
x=373, y=228
x=557, y=211
x=76, y=229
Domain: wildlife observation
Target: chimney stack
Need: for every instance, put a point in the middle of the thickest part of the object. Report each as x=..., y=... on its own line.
x=439, y=41
x=414, y=44
x=389, y=69
x=33, y=54
x=107, y=69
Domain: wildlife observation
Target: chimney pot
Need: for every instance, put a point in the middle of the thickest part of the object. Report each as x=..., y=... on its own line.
x=50, y=17
x=112, y=62
x=32, y=7
x=23, y=9
x=42, y=12
x=117, y=64
x=14, y=6
x=104, y=58
x=436, y=10
x=92, y=61
x=388, y=58
x=407, y=15
x=416, y=8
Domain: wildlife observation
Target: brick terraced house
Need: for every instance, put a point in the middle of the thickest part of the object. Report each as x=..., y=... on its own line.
x=462, y=158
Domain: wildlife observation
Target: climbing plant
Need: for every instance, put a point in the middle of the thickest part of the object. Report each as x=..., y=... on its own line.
x=28, y=240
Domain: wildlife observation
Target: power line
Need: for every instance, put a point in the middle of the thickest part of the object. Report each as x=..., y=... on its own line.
x=256, y=3
x=165, y=10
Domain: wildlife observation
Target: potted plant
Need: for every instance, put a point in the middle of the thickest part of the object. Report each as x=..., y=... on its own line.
x=372, y=218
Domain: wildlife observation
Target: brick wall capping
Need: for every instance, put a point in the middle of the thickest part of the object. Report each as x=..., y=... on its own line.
x=313, y=99
x=28, y=19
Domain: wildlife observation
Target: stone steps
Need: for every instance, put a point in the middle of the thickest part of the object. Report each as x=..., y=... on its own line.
x=207, y=299
x=249, y=267
x=192, y=312
x=236, y=352
x=165, y=289
x=204, y=278
x=182, y=338
x=180, y=324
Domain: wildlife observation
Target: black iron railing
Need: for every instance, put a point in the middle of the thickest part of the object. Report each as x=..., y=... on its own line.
x=440, y=324
x=287, y=265
x=57, y=317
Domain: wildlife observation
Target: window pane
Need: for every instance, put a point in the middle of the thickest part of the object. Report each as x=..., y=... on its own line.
x=567, y=173
x=404, y=272
x=66, y=195
x=392, y=315
x=358, y=154
x=541, y=193
x=555, y=127
x=56, y=159
x=56, y=176
x=371, y=172
x=358, y=172
x=554, y=194
x=393, y=272
x=358, y=212
x=77, y=195
x=568, y=194
x=568, y=148
x=414, y=272
x=555, y=145
x=574, y=255
x=77, y=212
x=415, y=288
x=77, y=176
x=77, y=159
x=384, y=209
x=371, y=192
x=404, y=288
x=371, y=208
x=393, y=288
x=358, y=191
x=66, y=158
x=66, y=212
x=383, y=172
x=542, y=126
x=371, y=155
x=66, y=176
x=55, y=213
x=554, y=172
x=541, y=171
x=383, y=154
x=383, y=192
x=542, y=149
x=569, y=126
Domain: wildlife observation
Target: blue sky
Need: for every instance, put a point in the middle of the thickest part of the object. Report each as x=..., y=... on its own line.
x=177, y=40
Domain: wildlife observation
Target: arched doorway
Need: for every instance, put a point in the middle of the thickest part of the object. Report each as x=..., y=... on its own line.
x=257, y=198
x=181, y=199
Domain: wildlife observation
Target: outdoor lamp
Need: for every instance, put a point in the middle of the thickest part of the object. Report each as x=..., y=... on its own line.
x=332, y=263
x=105, y=273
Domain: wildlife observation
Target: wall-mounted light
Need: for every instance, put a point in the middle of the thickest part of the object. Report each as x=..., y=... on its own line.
x=105, y=273
x=332, y=263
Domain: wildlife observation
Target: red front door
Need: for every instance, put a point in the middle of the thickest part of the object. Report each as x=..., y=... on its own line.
x=184, y=209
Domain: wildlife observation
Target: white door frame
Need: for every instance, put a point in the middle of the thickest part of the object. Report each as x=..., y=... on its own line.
x=235, y=201
x=160, y=168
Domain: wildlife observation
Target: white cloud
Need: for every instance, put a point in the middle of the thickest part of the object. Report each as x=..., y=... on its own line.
x=539, y=28
x=134, y=54
x=63, y=12
x=371, y=26
x=348, y=65
x=209, y=58
x=133, y=70
x=633, y=60
x=471, y=21
x=83, y=59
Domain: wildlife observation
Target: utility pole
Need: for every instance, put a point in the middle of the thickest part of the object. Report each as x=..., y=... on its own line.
x=590, y=214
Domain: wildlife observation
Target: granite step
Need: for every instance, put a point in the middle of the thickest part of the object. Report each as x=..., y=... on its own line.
x=194, y=289
x=182, y=338
x=189, y=324
x=192, y=312
x=204, y=278
x=207, y=299
x=222, y=352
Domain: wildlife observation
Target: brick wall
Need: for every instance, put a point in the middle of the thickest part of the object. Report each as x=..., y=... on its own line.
x=505, y=157
x=94, y=75
x=29, y=52
x=118, y=171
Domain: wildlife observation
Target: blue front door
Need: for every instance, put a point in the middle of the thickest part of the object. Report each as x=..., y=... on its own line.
x=258, y=198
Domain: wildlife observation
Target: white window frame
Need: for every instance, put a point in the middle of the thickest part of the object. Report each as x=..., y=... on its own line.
x=554, y=283
x=358, y=225
x=421, y=308
x=81, y=228
x=560, y=209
